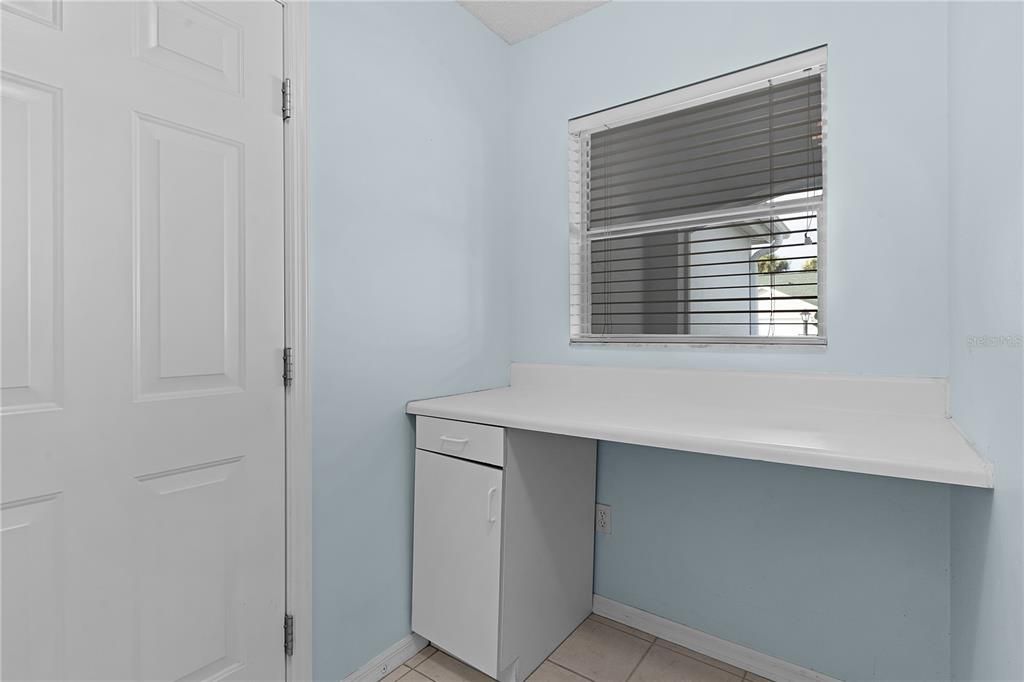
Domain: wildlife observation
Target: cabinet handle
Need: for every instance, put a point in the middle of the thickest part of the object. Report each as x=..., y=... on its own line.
x=491, y=518
x=453, y=444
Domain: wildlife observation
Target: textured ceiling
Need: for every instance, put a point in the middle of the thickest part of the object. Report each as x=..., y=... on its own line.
x=520, y=19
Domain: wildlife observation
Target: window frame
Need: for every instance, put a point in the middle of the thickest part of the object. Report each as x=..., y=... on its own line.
x=734, y=83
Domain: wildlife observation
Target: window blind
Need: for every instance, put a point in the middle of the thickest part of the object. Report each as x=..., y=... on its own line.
x=703, y=221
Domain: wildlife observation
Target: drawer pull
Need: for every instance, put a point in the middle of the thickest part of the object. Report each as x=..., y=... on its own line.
x=453, y=444
x=491, y=517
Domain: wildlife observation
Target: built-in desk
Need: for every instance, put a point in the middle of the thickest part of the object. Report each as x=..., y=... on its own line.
x=878, y=426
x=504, y=494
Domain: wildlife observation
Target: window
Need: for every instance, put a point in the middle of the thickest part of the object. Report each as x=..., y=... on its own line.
x=697, y=215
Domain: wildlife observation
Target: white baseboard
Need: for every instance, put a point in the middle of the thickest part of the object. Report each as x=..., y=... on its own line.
x=709, y=645
x=382, y=664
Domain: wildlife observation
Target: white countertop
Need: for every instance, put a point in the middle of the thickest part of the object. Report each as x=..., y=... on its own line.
x=883, y=427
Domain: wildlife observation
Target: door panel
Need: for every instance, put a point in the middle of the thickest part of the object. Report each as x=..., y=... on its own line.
x=457, y=557
x=46, y=12
x=195, y=572
x=188, y=228
x=143, y=304
x=192, y=41
x=32, y=626
x=30, y=245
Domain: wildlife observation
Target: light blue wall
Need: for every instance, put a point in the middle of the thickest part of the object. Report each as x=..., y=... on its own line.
x=987, y=221
x=842, y=573
x=409, y=290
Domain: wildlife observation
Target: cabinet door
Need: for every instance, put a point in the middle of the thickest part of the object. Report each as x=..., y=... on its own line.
x=457, y=557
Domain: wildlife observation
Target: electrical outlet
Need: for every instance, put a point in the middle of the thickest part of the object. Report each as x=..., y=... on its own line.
x=603, y=519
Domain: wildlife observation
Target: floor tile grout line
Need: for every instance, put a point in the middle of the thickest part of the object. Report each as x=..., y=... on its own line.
x=413, y=667
x=421, y=663
x=567, y=639
x=559, y=665
x=424, y=675
x=646, y=651
x=597, y=622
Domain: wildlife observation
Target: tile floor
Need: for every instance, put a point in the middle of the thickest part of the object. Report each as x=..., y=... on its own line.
x=600, y=650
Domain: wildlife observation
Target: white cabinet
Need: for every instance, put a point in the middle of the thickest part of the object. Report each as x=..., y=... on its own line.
x=503, y=542
x=456, y=570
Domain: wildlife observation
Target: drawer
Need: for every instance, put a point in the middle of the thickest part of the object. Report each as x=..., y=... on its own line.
x=476, y=442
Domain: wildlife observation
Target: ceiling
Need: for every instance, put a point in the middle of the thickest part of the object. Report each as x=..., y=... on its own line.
x=520, y=19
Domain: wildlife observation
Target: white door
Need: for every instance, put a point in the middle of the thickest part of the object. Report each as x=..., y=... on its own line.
x=457, y=557
x=143, y=408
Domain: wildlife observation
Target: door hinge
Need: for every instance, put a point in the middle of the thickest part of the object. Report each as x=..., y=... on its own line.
x=286, y=360
x=289, y=634
x=286, y=98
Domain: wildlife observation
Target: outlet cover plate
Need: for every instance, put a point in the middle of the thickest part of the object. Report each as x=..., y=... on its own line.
x=603, y=519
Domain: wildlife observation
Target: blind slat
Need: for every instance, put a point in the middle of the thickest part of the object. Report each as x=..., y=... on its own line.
x=653, y=293
x=809, y=174
x=618, y=277
x=647, y=260
x=668, y=208
x=632, y=245
x=794, y=300
x=702, y=170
